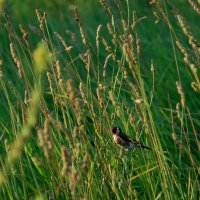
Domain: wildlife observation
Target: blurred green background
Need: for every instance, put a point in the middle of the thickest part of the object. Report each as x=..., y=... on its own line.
x=156, y=41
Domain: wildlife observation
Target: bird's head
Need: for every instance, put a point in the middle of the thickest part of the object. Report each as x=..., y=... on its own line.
x=116, y=131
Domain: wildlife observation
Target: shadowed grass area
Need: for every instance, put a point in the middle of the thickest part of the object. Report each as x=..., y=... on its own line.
x=68, y=77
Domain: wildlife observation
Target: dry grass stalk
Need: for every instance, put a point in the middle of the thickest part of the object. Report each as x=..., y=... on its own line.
x=153, y=2
x=187, y=32
x=138, y=46
x=110, y=29
x=195, y=86
x=79, y=113
x=136, y=21
x=24, y=34
x=66, y=158
x=1, y=64
x=157, y=17
x=97, y=35
x=178, y=111
x=125, y=26
x=71, y=90
x=99, y=97
x=16, y=60
x=180, y=91
x=82, y=91
x=125, y=73
x=129, y=55
x=50, y=83
x=67, y=48
x=194, y=6
x=179, y=114
x=41, y=19
x=44, y=140
x=7, y=146
x=59, y=74
x=106, y=6
x=109, y=49
x=82, y=31
x=132, y=120
x=112, y=98
x=177, y=141
x=86, y=58
x=105, y=64
x=187, y=60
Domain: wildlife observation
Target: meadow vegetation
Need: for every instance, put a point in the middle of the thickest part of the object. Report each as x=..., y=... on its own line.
x=70, y=71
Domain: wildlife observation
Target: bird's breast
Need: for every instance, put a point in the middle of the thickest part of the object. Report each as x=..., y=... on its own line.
x=118, y=140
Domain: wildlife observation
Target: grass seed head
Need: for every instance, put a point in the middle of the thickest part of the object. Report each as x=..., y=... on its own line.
x=16, y=60
x=66, y=158
x=112, y=98
x=97, y=35
x=180, y=91
x=82, y=91
x=24, y=33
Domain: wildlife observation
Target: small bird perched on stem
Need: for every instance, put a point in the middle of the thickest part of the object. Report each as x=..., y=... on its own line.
x=124, y=141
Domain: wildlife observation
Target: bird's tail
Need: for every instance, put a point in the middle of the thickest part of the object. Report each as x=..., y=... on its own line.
x=145, y=147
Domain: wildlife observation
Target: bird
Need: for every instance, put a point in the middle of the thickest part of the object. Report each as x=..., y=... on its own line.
x=124, y=141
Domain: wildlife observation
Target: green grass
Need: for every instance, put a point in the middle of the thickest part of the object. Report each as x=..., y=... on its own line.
x=56, y=120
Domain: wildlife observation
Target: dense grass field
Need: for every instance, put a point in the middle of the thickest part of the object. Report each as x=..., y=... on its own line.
x=72, y=70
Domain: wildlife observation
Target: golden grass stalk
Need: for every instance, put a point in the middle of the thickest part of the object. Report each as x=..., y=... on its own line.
x=194, y=6
x=187, y=32
x=97, y=35
x=82, y=91
x=67, y=48
x=82, y=31
x=41, y=19
x=16, y=60
x=180, y=91
x=99, y=97
x=66, y=159
x=105, y=64
x=59, y=74
x=24, y=34
x=50, y=83
x=48, y=146
x=71, y=90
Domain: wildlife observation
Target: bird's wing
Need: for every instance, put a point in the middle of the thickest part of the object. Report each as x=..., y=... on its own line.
x=125, y=137
x=128, y=139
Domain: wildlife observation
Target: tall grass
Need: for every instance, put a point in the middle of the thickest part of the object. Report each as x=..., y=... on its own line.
x=69, y=91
